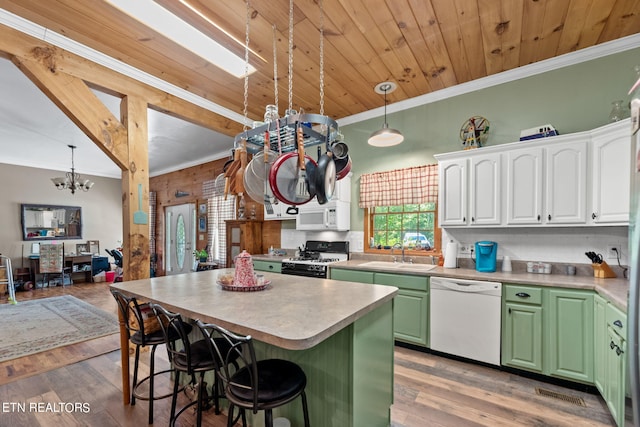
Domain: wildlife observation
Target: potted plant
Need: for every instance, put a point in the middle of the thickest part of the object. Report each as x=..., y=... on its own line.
x=201, y=254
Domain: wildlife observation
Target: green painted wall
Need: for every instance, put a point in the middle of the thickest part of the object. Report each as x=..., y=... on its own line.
x=572, y=99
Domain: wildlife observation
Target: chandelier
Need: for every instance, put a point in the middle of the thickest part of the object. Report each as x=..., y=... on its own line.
x=72, y=181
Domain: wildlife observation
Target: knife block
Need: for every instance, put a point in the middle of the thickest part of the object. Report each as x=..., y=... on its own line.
x=602, y=271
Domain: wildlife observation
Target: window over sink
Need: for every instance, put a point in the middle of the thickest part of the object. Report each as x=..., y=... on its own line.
x=413, y=226
x=401, y=209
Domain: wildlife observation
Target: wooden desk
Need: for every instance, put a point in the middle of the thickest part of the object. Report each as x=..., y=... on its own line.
x=80, y=265
x=340, y=333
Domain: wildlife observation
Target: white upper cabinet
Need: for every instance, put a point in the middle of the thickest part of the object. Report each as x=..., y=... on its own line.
x=469, y=191
x=485, y=186
x=452, y=192
x=524, y=186
x=610, y=169
x=566, y=186
x=566, y=180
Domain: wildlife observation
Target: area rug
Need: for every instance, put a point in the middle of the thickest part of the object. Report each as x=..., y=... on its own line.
x=43, y=324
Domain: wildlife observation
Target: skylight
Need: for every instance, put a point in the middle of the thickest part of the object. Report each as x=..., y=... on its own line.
x=161, y=20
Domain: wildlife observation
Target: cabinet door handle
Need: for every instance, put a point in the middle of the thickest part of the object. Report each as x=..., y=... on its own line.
x=271, y=267
x=473, y=219
x=619, y=351
x=523, y=295
x=594, y=216
x=464, y=219
x=549, y=217
x=509, y=310
x=538, y=217
x=618, y=323
x=612, y=345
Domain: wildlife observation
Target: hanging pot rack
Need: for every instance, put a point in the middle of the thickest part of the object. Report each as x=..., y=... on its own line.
x=317, y=129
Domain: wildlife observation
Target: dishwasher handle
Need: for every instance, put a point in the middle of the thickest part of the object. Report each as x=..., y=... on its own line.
x=463, y=285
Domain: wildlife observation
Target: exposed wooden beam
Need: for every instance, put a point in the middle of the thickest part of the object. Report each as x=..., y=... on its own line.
x=78, y=102
x=135, y=188
x=16, y=44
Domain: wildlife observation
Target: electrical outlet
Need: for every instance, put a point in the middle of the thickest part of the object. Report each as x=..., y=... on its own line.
x=464, y=249
x=614, y=251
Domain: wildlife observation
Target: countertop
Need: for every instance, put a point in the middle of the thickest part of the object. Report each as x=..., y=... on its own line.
x=294, y=312
x=613, y=290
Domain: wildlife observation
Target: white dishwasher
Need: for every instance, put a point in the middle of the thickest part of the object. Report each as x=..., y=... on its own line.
x=465, y=318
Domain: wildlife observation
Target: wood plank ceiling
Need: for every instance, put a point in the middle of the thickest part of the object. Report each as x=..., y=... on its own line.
x=423, y=45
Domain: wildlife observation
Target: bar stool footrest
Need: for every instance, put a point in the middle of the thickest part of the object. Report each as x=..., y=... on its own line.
x=146, y=396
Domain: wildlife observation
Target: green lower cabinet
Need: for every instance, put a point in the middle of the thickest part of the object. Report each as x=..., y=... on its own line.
x=273, y=267
x=411, y=307
x=600, y=343
x=571, y=334
x=351, y=275
x=610, y=356
x=549, y=331
x=522, y=336
x=410, y=317
x=411, y=304
x=614, y=393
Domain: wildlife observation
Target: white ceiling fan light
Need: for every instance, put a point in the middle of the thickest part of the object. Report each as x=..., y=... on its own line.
x=385, y=137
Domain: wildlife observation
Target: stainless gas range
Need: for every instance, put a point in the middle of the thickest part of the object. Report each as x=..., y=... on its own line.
x=315, y=257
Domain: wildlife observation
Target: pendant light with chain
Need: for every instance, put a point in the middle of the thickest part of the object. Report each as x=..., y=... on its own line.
x=385, y=137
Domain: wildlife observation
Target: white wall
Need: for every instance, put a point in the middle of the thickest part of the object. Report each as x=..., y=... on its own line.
x=547, y=244
x=567, y=98
x=101, y=208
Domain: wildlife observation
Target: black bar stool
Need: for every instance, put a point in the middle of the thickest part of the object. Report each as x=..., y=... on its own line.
x=190, y=358
x=143, y=330
x=259, y=385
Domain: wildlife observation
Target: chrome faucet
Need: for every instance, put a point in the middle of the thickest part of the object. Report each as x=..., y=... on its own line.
x=398, y=246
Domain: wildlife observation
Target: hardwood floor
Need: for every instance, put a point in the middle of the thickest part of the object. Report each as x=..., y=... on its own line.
x=429, y=390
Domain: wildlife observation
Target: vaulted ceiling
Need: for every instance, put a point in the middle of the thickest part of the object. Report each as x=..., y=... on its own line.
x=422, y=45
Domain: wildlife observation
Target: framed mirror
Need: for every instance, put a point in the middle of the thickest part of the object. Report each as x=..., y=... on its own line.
x=51, y=222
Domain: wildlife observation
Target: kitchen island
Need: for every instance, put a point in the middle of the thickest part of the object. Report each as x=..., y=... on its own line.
x=340, y=333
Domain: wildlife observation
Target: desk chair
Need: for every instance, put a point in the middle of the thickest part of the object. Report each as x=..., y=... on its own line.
x=52, y=263
x=190, y=358
x=259, y=385
x=143, y=330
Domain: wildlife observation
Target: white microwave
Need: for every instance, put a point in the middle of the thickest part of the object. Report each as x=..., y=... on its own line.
x=334, y=215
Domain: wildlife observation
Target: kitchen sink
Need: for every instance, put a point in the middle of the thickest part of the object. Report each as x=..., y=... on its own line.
x=416, y=267
x=380, y=264
x=398, y=265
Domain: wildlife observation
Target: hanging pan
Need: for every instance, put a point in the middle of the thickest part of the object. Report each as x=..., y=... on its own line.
x=343, y=167
x=325, y=177
x=289, y=172
x=256, y=174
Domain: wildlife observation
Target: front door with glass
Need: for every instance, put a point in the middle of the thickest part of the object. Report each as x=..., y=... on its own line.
x=180, y=229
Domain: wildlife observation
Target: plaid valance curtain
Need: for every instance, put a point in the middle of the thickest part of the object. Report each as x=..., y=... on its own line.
x=399, y=187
